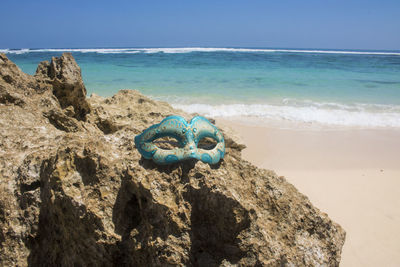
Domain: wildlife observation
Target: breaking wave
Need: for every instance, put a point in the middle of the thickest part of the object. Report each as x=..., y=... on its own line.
x=192, y=49
x=358, y=115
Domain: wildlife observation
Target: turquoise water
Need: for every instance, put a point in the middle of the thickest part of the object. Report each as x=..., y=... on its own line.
x=334, y=87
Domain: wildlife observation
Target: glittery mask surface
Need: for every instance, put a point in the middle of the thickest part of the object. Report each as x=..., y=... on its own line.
x=188, y=136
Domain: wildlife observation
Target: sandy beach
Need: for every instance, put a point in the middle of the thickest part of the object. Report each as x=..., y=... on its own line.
x=351, y=174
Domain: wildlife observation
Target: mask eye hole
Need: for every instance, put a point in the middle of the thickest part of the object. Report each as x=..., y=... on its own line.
x=207, y=143
x=167, y=143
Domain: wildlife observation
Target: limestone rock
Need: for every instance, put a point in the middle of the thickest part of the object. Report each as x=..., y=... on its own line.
x=65, y=77
x=75, y=191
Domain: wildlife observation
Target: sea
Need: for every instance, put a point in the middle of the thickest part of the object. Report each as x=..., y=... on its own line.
x=356, y=88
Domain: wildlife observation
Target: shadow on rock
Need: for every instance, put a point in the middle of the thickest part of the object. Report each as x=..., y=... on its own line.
x=186, y=165
x=68, y=233
x=140, y=222
x=216, y=221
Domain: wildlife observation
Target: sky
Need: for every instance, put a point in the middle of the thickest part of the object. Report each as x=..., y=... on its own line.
x=335, y=24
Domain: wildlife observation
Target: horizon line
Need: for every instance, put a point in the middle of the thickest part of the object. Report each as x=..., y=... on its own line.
x=197, y=46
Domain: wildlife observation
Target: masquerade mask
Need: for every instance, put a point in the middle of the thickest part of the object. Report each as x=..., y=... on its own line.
x=188, y=136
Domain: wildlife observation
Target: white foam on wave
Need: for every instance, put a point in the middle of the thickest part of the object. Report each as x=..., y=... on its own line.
x=19, y=51
x=333, y=115
x=341, y=106
x=79, y=50
x=190, y=50
x=254, y=50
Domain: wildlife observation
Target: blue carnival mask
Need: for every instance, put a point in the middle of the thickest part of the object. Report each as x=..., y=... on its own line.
x=188, y=136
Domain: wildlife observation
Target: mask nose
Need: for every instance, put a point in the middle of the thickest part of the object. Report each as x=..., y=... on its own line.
x=192, y=151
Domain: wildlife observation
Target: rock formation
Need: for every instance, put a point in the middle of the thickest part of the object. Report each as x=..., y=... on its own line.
x=74, y=191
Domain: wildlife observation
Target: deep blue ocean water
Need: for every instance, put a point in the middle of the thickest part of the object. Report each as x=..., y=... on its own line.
x=336, y=87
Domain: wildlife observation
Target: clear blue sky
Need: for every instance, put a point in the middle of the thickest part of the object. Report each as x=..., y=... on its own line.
x=368, y=24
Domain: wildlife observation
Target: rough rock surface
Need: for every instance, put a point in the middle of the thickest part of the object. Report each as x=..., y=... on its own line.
x=74, y=191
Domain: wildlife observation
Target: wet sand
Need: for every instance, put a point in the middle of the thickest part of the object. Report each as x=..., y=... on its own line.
x=351, y=174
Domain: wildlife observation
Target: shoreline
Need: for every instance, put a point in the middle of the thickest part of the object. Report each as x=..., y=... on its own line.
x=351, y=174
